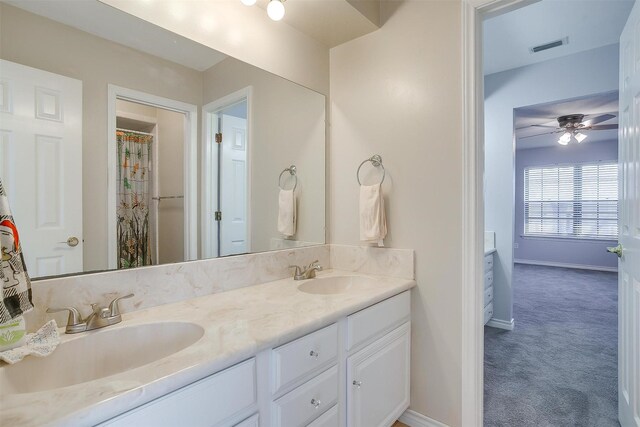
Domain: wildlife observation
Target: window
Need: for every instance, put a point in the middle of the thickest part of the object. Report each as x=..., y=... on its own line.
x=572, y=201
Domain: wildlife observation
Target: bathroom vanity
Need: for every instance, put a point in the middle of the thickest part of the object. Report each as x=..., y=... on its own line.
x=331, y=351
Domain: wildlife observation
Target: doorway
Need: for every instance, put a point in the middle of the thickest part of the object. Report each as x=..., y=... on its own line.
x=152, y=179
x=474, y=14
x=226, y=175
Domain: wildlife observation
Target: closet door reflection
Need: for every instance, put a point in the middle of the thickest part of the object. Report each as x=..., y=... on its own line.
x=150, y=201
x=233, y=181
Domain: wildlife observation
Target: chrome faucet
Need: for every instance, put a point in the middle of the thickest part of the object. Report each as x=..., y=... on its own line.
x=309, y=272
x=99, y=318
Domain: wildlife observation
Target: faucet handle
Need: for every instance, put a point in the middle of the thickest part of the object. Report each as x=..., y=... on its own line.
x=74, y=315
x=114, y=309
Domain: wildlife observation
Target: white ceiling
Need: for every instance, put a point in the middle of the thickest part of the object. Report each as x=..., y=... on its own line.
x=546, y=114
x=112, y=24
x=587, y=23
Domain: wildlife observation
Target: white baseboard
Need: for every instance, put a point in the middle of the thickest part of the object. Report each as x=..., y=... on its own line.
x=415, y=419
x=501, y=324
x=566, y=265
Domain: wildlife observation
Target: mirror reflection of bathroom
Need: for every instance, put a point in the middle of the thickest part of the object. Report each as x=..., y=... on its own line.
x=150, y=182
x=230, y=186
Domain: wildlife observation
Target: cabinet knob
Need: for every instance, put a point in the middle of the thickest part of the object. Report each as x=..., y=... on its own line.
x=357, y=383
x=313, y=353
x=315, y=403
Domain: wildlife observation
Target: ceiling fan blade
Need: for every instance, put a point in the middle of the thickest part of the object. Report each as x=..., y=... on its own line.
x=538, y=134
x=598, y=119
x=551, y=124
x=602, y=127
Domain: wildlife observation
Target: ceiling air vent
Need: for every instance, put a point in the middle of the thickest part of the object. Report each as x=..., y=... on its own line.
x=549, y=45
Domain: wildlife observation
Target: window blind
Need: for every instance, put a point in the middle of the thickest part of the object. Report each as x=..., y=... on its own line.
x=573, y=201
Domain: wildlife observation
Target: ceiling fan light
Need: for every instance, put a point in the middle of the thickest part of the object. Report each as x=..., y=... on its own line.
x=564, y=139
x=275, y=10
x=248, y=2
x=580, y=137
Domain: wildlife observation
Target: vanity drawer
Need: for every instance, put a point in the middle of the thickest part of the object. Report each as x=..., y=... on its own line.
x=488, y=295
x=328, y=419
x=368, y=324
x=304, y=404
x=488, y=312
x=212, y=401
x=301, y=358
x=488, y=279
x=488, y=262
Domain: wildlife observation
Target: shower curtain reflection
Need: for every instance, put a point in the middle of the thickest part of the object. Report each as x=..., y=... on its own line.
x=134, y=157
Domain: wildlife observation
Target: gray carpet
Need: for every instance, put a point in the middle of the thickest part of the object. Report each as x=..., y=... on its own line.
x=558, y=367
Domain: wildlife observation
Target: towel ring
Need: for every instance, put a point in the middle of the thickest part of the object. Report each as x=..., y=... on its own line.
x=376, y=161
x=293, y=172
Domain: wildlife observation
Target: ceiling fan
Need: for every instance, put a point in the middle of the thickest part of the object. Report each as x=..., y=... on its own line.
x=571, y=127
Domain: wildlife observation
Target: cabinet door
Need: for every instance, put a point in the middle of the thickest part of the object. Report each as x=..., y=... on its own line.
x=378, y=380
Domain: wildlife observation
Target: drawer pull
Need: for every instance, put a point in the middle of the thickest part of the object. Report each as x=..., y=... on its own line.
x=316, y=403
x=313, y=353
x=357, y=383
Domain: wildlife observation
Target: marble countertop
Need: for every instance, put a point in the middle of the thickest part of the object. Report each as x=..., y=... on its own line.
x=238, y=324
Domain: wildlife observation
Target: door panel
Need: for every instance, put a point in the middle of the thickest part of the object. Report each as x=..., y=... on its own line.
x=234, y=186
x=629, y=225
x=41, y=164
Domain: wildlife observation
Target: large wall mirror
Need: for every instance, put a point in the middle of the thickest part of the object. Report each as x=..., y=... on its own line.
x=124, y=145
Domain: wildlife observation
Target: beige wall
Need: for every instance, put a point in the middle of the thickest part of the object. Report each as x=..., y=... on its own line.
x=288, y=128
x=41, y=43
x=397, y=92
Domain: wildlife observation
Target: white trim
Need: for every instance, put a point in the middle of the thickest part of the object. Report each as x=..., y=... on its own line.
x=501, y=324
x=566, y=239
x=566, y=265
x=190, y=172
x=472, y=355
x=209, y=157
x=416, y=419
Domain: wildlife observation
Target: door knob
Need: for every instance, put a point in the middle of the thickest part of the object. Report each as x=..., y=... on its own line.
x=72, y=241
x=617, y=250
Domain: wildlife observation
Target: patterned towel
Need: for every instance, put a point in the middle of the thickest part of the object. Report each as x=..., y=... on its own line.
x=15, y=298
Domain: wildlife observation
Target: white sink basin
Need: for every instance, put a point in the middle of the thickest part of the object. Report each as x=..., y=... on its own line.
x=334, y=284
x=98, y=354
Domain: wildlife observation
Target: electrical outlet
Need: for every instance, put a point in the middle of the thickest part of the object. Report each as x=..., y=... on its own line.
x=515, y=246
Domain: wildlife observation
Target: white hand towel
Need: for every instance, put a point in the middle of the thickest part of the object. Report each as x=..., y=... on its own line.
x=373, y=224
x=287, y=213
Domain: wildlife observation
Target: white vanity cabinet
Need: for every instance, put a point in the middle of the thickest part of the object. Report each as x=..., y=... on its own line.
x=353, y=373
x=488, y=287
x=378, y=380
x=378, y=366
x=222, y=399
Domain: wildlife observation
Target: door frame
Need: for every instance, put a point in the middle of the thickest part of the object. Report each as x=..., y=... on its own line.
x=474, y=12
x=190, y=112
x=210, y=157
